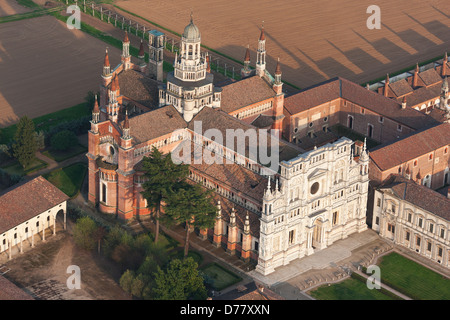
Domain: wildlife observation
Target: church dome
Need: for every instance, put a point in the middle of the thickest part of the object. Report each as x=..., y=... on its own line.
x=191, y=32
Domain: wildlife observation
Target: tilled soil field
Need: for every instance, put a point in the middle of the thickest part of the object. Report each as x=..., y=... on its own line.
x=315, y=40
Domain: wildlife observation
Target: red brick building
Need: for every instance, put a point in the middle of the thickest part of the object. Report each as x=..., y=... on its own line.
x=423, y=157
x=310, y=113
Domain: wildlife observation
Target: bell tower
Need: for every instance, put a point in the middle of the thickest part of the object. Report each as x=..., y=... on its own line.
x=261, y=54
x=155, y=54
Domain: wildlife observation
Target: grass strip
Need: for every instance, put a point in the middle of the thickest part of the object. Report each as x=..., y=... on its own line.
x=68, y=179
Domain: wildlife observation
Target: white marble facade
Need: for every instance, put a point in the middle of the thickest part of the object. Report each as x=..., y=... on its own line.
x=321, y=197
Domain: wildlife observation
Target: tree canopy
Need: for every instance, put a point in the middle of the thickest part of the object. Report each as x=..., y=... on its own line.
x=161, y=175
x=193, y=205
x=180, y=281
x=24, y=146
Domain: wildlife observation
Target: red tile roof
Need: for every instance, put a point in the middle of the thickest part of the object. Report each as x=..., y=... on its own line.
x=156, y=123
x=430, y=77
x=411, y=147
x=245, y=92
x=418, y=195
x=9, y=291
x=341, y=88
x=27, y=201
x=313, y=96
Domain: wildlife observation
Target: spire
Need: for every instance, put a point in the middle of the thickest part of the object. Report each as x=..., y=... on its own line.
x=247, y=54
x=106, y=62
x=126, y=122
x=261, y=55
x=219, y=210
x=278, y=69
x=125, y=38
x=208, y=63
x=114, y=84
x=141, y=54
x=96, y=108
x=106, y=65
x=96, y=112
x=364, y=145
x=419, y=176
x=233, y=217
x=247, y=224
x=262, y=36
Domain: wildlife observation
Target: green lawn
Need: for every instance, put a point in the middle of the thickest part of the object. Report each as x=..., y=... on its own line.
x=45, y=122
x=16, y=167
x=63, y=155
x=68, y=179
x=413, y=279
x=221, y=277
x=349, y=289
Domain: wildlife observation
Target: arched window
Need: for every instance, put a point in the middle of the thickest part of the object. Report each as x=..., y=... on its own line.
x=104, y=192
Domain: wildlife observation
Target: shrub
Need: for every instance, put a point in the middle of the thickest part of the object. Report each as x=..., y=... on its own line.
x=63, y=140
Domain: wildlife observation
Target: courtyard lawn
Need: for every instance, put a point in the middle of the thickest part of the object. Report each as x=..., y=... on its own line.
x=349, y=289
x=221, y=277
x=68, y=179
x=16, y=167
x=63, y=155
x=413, y=279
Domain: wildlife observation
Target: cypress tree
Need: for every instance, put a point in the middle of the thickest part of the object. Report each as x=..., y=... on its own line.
x=24, y=146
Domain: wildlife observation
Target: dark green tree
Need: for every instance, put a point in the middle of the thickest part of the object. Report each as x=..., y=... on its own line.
x=24, y=145
x=180, y=281
x=63, y=140
x=161, y=175
x=193, y=205
x=40, y=140
x=84, y=233
x=126, y=281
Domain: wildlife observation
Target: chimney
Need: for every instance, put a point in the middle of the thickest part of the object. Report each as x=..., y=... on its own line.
x=386, y=86
x=404, y=103
x=416, y=77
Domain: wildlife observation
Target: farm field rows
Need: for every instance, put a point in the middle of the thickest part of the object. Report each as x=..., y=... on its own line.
x=46, y=67
x=9, y=7
x=315, y=40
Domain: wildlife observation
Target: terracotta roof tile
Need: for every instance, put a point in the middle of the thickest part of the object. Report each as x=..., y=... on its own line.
x=430, y=77
x=218, y=119
x=140, y=88
x=40, y=196
x=156, y=123
x=384, y=106
x=313, y=96
x=400, y=88
x=422, y=94
x=418, y=195
x=10, y=291
x=411, y=147
x=245, y=92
